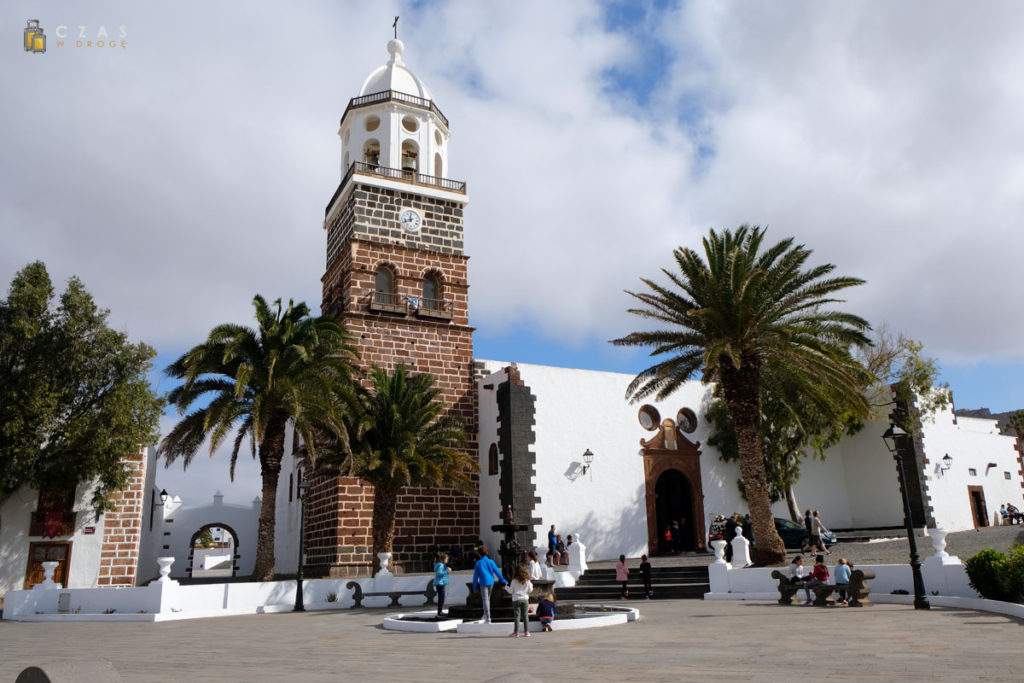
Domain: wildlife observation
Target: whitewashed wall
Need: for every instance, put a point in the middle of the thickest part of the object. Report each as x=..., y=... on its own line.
x=581, y=409
x=15, y=516
x=972, y=443
x=286, y=513
x=177, y=534
x=487, y=413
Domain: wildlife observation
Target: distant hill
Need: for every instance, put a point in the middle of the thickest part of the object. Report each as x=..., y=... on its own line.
x=987, y=414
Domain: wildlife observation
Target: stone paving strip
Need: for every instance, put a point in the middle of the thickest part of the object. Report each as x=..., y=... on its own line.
x=675, y=640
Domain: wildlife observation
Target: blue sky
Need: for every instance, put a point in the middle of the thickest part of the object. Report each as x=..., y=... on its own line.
x=182, y=174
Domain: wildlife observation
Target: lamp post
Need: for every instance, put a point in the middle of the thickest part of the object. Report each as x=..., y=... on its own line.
x=303, y=487
x=894, y=439
x=588, y=457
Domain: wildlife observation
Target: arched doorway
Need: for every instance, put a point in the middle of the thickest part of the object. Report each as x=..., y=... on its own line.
x=674, y=509
x=213, y=551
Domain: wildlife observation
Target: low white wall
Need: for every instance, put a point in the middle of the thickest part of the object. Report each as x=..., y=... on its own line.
x=171, y=600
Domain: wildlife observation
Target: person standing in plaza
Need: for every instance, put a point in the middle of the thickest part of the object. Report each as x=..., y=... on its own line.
x=520, y=588
x=817, y=527
x=485, y=573
x=552, y=541
x=534, y=566
x=441, y=581
x=645, y=576
x=622, y=576
x=807, y=525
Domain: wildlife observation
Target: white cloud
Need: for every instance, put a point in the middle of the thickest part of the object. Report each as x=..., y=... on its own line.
x=181, y=177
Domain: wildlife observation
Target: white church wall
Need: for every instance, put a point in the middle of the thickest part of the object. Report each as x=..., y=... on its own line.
x=179, y=523
x=822, y=487
x=15, y=518
x=286, y=511
x=487, y=413
x=872, y=485
x=972, y=443
x=606, y=507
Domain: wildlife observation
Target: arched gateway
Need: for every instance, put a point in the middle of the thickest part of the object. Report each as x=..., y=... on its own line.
x=674, y=492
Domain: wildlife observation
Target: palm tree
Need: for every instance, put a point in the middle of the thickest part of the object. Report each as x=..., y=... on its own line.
x=292, y=367
x=744, y=309
x=400, y=436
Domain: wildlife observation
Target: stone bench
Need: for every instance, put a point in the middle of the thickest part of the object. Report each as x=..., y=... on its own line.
x=858, y=590
x=358, y=595
x=822, y=593
x=787, y=589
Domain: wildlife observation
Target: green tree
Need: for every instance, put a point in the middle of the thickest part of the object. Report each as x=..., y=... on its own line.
x=291, y=367
x=74, y=396
x=400, y=436
x=797, y=424
x=746, y=308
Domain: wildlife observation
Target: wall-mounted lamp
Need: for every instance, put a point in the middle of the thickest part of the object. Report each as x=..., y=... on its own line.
x=947, y=462
x=588, y=457
x=163, y=496
x=990, y=466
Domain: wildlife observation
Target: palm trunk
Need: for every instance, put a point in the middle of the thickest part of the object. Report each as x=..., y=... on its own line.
x=385, y=506
x=742, y=390
x=794, y=508
x=271, y=453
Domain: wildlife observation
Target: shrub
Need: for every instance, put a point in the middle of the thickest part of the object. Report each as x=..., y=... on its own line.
x=332, y=597
x=1010, y=574
x=981, y=572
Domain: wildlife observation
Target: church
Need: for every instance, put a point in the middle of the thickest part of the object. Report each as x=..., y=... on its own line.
x=556, y=446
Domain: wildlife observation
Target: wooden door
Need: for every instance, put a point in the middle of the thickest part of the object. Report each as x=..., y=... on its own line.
x=58, y=551
x=978, y=508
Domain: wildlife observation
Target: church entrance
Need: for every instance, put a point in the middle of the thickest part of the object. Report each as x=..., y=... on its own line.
x=978, y=508
x=674, y=506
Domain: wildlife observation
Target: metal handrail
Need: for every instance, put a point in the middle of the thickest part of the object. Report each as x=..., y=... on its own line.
x=397, y=174
x=394, y=96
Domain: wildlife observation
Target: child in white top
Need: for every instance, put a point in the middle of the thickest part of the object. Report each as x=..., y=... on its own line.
x=520, y=588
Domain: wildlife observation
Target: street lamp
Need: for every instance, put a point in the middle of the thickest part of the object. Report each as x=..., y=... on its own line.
x=588, y=457
x=894, y=439
x=303, y=487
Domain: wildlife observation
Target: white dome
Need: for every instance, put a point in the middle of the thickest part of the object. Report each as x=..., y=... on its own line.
x=395, y=76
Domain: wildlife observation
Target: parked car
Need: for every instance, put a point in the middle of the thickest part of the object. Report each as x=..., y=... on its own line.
x=795, y=535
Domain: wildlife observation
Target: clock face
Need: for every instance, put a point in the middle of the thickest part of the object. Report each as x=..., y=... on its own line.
x=410, y=220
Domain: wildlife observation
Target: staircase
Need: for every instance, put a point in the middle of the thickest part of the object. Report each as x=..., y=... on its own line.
x=667, y=582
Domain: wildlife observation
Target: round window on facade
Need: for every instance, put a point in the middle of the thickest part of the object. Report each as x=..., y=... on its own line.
x=649, y=418
x=686, y=420
x=372, y=123
x=410, y=124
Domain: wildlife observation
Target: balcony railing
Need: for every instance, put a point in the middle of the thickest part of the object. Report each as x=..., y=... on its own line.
x=52, y=524
x=440, y=309
x=434, y=308
x=404, y=175
x=394, y=96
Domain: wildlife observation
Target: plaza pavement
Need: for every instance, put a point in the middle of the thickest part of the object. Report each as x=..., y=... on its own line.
x=675, y=640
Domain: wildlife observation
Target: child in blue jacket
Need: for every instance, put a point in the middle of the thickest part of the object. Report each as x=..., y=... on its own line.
x=485, y=573
x=441, y=580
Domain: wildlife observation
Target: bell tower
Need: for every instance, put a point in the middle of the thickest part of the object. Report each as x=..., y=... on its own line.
x=396, y=277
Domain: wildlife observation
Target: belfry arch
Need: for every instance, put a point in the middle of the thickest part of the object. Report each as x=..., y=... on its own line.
x=674, y=491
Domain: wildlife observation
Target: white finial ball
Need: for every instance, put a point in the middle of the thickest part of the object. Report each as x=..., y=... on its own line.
x=396, y=46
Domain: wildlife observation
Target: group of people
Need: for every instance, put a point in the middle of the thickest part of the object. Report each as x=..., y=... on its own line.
x=622, y=576
x=815, y=527
x=1010, y=514
x=672, y=537
x=558, y=550
x=819, y=576
x=486, y=574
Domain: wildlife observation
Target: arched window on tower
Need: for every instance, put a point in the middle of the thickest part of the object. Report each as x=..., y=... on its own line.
x=431, y=293
x=385, y=294
x=410, y=156
x=438, y=166
x=371, y=152
x=384, y=286
x=432, y=303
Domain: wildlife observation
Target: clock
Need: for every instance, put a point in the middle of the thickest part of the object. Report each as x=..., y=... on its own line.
x=410, y=220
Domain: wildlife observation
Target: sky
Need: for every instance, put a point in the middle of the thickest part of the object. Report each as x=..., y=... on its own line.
x=186, y=169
